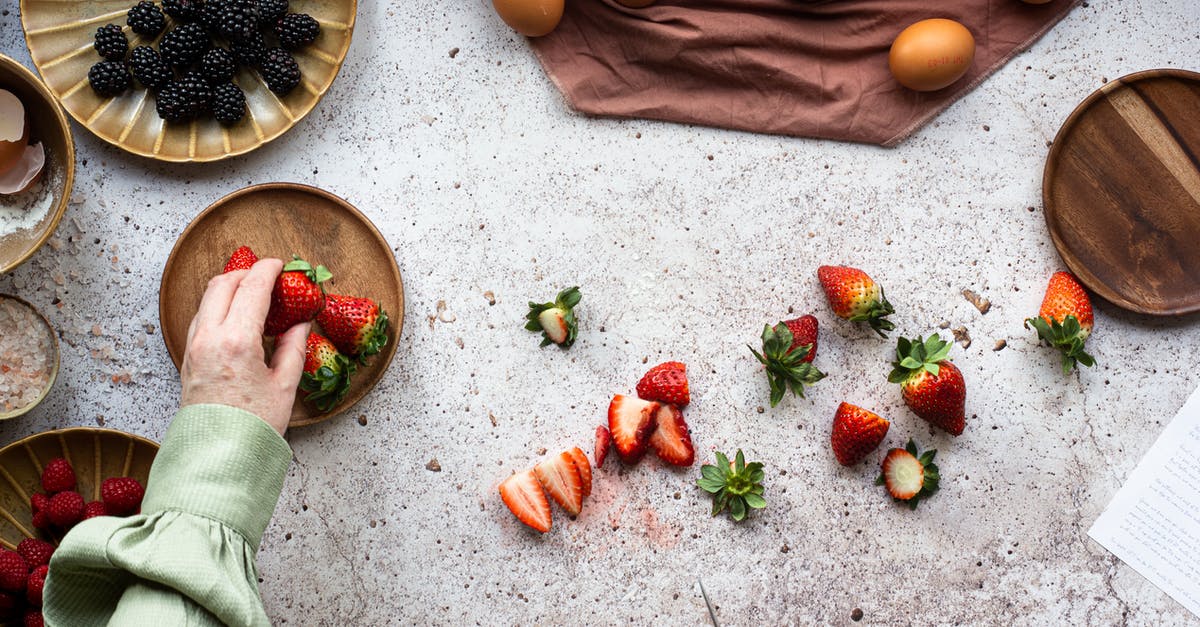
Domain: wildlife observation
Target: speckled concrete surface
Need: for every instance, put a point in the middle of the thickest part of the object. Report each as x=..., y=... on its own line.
x=685, y=241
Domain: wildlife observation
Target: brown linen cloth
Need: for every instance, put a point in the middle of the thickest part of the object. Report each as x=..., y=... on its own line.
x=814, y=69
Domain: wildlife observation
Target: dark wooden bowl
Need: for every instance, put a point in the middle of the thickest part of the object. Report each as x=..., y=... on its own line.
x=277, y=220
x=1122, y=192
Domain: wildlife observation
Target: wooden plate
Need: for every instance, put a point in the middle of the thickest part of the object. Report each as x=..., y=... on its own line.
x=95, y=454
x=60, y=34
x=51, y=128
x=1122, y=192
x=279, y=219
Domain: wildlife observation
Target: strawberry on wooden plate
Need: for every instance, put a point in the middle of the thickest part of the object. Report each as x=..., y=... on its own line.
x=670, y=439
x=630, y=421
x=523, y=495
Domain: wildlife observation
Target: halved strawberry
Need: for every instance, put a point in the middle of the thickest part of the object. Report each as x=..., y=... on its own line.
x=562, y=481
x=585, y=469
x=524, y=497
x=909, y=475
x=603, y=441
x=671, y=440
x=666, y=383
x=630, y=420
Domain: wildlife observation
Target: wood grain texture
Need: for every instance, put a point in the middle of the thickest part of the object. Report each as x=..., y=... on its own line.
x=278, y=220
x=1122, y=192
x=95, y=454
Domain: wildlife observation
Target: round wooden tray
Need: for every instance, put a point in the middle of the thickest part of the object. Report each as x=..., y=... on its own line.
x=95, y=454
x=51, y=128
x=281, y=219
x=1122, y=192
x=59, y=35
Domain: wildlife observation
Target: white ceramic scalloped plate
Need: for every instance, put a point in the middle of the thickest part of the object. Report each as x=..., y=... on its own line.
x=60, y=33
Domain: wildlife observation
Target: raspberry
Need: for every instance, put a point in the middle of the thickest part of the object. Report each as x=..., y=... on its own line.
x=58, y=476
x=94, y=510
x=10, y=606
x=33, y=618
x=38, y=502
x=41, y=520
x=14, y=571
x=37, y=581
x=66, y=509
x=36, y=552
x=122, y=495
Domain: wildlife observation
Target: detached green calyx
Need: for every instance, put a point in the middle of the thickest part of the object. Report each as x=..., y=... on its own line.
x=913, y=356
x=786, y=368
x=555, y=320
x=1067, y=336
x=737, y=486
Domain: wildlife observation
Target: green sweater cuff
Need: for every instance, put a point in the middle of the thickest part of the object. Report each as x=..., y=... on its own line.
x=222, y=463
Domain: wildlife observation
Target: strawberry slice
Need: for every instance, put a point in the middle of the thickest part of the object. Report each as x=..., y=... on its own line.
x=562, y=481
x=909, y=475
x=666, y=383
x=670, y=440
x=524, y=497
x=603, y=441
x=585, y=469
x=630, y=420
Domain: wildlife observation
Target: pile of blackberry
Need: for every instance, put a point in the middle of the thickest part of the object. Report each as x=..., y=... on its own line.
x=201, y=44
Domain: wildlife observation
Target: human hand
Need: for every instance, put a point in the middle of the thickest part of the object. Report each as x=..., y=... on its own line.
x=224, y=362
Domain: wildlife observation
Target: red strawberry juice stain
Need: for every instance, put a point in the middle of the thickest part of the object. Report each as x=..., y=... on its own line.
x=661, y=535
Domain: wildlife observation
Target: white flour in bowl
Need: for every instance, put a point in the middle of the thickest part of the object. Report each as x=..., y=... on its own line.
x=20, y=212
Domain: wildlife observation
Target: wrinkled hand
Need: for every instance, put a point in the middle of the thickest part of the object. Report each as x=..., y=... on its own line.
x=224, y=361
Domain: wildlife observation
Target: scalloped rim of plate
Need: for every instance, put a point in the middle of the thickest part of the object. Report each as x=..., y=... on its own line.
x=68, y=159
x=226, y=155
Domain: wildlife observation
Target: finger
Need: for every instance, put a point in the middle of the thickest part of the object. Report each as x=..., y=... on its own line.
x=214, y=306
x=191, y=331
x=288, y=360
x=250, y=304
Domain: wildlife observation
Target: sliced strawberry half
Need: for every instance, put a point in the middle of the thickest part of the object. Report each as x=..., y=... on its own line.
x=671, y=440
x=562, y=481
x=630, y=420
x=909, y=475
x=524, y=497
x=584, y=467
x=603, y=441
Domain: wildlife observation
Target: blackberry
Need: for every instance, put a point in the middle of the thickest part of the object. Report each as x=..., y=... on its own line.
x=183, y=100
x=297, y=30
x=229, y=103
x=109, y=78
x=249, y=53
x=184, y=45
x=196, y=89
x=183, y=10
x=145, y=18
x=111, y=42
x=235, y=20
x=218, y=65
x=149, y=68
x=279, y=71
x=271, y=11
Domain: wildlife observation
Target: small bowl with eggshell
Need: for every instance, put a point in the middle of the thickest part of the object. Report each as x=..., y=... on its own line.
x=37, y=164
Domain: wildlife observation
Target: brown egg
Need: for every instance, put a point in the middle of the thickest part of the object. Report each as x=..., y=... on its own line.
x=932, y=54
x=532, y=18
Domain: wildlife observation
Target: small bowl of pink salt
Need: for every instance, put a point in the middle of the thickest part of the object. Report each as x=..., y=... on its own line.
x=28, y=357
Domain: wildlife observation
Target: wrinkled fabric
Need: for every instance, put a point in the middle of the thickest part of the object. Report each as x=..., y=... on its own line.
x=188, y=558
x=788, y=67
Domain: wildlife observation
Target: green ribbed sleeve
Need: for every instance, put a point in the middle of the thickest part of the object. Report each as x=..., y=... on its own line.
x=188, y=558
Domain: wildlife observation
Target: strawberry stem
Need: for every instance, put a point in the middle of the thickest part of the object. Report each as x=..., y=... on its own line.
x=786, y=368
x=1066, y=336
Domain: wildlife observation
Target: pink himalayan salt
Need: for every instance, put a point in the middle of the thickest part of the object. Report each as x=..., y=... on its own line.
x=26, y=355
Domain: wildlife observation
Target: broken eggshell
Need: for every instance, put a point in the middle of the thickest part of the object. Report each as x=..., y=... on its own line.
x=27, y=171
x=14, y=130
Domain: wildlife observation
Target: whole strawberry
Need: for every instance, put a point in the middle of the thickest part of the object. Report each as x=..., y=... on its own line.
x=667, y=383
x=555, y=320
x=94, y=509
x=58, y=476
x=788, y=349
x=854, y=296
x=931, y=386
x=298, y=296
x=14, y=572
x=121, y=495
x=356, y=326
x=856, y=432
x=35, y=585
x=36, y=552
x=65, y=509
x=326, y=377
x=242, y=259
x=1065, y=320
